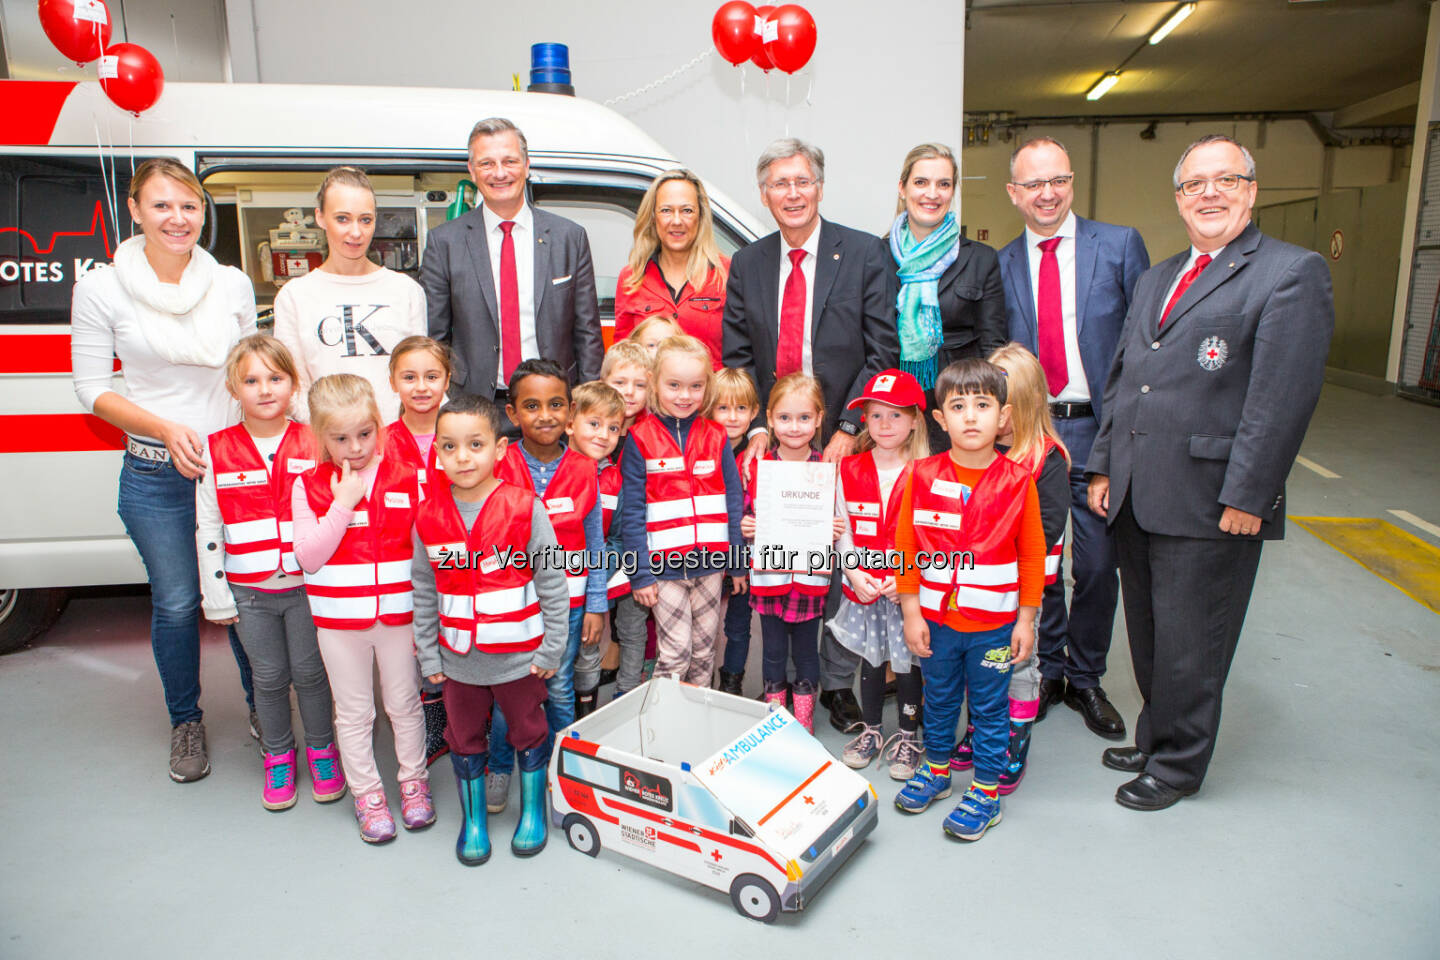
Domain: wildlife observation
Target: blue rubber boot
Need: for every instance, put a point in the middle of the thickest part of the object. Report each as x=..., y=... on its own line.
x=533, y=829
x=472, y=847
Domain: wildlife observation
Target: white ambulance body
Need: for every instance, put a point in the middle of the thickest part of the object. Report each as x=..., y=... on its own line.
x=715, y=788
x=260, y=151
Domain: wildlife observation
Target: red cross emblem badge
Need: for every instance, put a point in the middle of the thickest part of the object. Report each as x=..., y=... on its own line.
x=1213, y=353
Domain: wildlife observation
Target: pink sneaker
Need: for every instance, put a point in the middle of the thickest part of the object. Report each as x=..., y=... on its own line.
x=373, y=813
x=278, y=791
x=416, y=810
x=327, y=780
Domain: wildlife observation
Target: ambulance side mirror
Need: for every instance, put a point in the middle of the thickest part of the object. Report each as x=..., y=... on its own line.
x=739, y=829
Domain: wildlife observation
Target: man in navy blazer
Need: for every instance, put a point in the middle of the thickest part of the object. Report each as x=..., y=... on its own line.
x=1068, y=285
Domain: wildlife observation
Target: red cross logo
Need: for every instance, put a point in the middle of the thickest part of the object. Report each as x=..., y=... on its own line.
x=1212, y=353
x=809, y=800
x=935, y=517
x=715, y=856
x=240, y=477
x=661, y=464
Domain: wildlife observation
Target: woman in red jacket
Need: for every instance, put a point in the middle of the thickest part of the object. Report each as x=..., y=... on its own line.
x=675, y=268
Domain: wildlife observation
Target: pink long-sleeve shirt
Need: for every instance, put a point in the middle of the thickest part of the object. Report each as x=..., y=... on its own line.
x=317, y=538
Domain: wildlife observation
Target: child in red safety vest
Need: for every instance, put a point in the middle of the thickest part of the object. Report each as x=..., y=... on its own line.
x=736, y=401
x=420, y=370
x=790, y=604
x=648, y=333
x=973, y=568
x=869, y=623
x=680, y=511
x=248, y=572
x=353, y=513
x=1030, y=439
x=491, y=617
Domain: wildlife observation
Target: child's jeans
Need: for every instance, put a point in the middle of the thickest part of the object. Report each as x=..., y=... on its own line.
x=980, y=663
x=559, y=706
x=784, y=642
x=738, y=615
x=627, y=630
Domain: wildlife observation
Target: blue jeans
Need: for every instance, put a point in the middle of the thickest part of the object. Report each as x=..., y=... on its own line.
x=737, y=633
x=980, y=663
x=157, y=506
x=559, y=706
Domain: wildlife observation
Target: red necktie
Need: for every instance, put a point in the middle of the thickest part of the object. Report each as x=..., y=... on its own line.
x=1050, y=314
x=789, y=354
x=1201, y=262
x=509, y=302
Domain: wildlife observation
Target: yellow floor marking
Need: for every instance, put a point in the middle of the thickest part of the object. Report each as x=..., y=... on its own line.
x=1399, y=558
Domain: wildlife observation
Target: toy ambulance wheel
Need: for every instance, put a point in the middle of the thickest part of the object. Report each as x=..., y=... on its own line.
x=581, y=834
x=754, y=898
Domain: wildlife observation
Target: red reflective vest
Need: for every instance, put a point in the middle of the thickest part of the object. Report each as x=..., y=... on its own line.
x=485, y=605
x=568, y=500
x=872, y=523
x=985, y=585
x=619, y=584
x=684, y=491
x=698, y=312
x=401, y=444
x=255, y=502
x=767, y=583
x=368, y=577
x=1052, y=559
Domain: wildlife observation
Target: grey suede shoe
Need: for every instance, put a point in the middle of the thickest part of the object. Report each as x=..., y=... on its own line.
x=497, y=791
x=189, y=758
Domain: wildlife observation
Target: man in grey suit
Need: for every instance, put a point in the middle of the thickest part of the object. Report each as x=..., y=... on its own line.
x=1068, y=284
x=507, y=282
x=1219, y=369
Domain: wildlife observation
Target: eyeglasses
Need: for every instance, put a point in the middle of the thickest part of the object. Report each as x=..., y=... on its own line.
x=1225, y=184
x=1035, y=186
x=801, y=184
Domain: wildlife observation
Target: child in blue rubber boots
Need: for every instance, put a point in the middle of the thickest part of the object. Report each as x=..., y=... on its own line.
x=491, y=624
x=973, y=570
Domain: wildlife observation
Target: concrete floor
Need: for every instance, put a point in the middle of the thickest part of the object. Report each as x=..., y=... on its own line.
x=1315, y=835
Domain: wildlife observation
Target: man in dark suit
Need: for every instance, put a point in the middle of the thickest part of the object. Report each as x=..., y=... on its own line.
x=817, y=298
x=1068, y=285
x=1218, y=372
x=507, y=282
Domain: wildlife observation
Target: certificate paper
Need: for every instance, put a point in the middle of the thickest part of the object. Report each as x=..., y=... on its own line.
x=794, y=516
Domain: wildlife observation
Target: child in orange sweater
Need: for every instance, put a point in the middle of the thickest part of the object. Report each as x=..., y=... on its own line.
x=973, y=570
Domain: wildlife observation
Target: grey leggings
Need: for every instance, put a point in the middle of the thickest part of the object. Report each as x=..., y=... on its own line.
x=628, y=630
x=278, y=635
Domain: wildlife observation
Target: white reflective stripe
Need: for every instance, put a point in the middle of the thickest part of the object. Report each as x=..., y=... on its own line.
x=287, y=531
x=1059, y=544
x=811, y=580
x=241, y=478
x=860, y=508
x=457, y=606
x=617, y=579
x=659, y=511
x=937, y=518
x=759, y=578
x=524, y=631
x=671, y=539
x=709, y=503
x=1052, y=564
x=493, y=603
x=343, y=575
x=459, y=639
x=989, y=574
x=712, y=533
x=992, y=600
x=288, y=563
x=261, y=561
x=930, y=598
x=343, y=608
x=577, y=584
x=397, y=602
x=251, y=531
x=393, y=571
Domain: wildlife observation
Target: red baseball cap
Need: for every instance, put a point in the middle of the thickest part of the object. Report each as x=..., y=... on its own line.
x=894, y=387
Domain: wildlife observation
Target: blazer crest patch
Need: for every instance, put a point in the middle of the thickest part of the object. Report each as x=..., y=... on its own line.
x=1213, y=353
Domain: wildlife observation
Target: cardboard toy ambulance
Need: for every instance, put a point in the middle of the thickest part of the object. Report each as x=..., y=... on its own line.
x=713, y=787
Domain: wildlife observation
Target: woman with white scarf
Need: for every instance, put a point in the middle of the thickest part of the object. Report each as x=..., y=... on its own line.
x=952, y=301
x=170, y=313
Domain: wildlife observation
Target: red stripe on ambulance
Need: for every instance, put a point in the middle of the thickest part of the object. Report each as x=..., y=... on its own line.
x=30, y=108
x=38, y=353
x=57, y=433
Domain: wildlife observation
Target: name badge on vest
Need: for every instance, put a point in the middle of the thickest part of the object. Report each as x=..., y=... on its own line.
x=859, y=508
x=294, y=465
x=937, y=518
x=241, y=478
x=866, y=528
x=608, y=501
x=420, y=473
x=361, y=518
x=559, y=505
x=444, y=551
x=948, y=488
x=490, y=564
x=397, y=498
x=703, y=468
x=665, y=465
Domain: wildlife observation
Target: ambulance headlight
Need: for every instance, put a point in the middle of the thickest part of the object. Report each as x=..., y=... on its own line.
x=792, y=871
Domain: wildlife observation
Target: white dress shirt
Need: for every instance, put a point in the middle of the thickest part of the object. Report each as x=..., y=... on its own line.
x=1077, y=390
x=523, y=234
x=1194, y=255
x=807, y=269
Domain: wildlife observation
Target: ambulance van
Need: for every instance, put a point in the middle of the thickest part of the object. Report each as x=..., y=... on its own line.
x=718, y=789
x=66, y=155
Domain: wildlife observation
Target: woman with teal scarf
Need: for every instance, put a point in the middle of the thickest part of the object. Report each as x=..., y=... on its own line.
x=952, y=302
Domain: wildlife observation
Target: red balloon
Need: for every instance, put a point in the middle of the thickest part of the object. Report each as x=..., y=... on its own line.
x=734, y=31
x=131, y=77
x=761, y=59
x=794, y=39
x=80, y=29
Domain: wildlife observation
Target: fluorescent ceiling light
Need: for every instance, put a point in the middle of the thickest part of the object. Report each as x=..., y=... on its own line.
x=1102, y=86
x=1175, y=19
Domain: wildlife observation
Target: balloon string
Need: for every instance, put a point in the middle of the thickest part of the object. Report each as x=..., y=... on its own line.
x=108, y=194
x=809, y=89
x=663, y=80
x=787, y=104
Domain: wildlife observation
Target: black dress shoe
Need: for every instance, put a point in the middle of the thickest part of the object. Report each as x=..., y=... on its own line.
x=844, y=708
x=1100, y=715
x=1051, y=693
x=1129, y=759
x=1147, y=793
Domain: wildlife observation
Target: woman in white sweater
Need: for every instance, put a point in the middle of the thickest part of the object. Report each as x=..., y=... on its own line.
x=347, y=315
x=170, y=313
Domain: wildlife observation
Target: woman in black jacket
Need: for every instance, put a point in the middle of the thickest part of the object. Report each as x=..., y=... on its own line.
x=951, y=303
